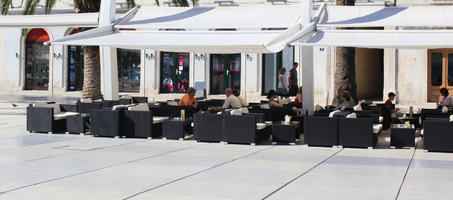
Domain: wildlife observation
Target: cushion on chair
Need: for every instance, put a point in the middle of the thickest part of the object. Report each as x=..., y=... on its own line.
x=244, y=110
x=64, y=115
x=381, y=119
x=268, y=123
x=331, y=114
x=139, y=107
x=352, y=115
x=265, y=106
x=117, y=107
x=358, y=107
x=451, y=118
x=260, y=126
x=236, y=112
x=88, y=100
x=157, y=120
x=172, y=103
x=377, y=128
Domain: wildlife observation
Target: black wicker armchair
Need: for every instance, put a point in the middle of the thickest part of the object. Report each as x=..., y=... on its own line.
x=438, y=135
x=243, y=129
x=48, y=118
x=320, y=131
x=357, y=132
x=208, y=127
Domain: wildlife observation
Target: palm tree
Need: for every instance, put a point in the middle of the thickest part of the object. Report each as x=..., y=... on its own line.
x=91, y=56
x=345, y=63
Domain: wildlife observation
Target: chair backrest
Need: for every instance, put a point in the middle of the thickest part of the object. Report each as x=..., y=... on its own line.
x=87, y=107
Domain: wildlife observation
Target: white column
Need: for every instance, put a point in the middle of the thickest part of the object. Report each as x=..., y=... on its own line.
x=306, y=56
x=109, y=73
x=109, y=65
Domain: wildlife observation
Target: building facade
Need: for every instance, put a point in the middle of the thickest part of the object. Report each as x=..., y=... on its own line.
x=28, y=67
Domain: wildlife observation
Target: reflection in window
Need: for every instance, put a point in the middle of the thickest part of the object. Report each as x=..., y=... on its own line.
x=450, y=69
x=36, y=60
x=129, y=70
x=436, y=69
x=272, y=62
x=75, y=66
x=225, y=72
x=174, y=72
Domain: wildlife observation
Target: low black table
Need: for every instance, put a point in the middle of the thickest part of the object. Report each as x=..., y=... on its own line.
x=176, y=128
x=285, y=133
x=413, y=120
x=77, y=124
x=402, y=136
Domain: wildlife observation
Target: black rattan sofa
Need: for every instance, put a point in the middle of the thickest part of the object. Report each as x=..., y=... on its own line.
x=438, y=135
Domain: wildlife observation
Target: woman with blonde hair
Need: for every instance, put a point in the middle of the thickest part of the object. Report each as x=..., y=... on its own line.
x=282, y=82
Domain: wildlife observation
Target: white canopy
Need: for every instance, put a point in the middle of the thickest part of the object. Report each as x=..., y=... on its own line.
x=252, y=29
x=28, y=21
x=376, y=16
x=372, y=16
x=382, y=38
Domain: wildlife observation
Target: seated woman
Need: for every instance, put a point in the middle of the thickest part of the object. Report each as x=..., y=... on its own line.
x=445, y=98
x=189, y=98
x=346, y=102
x=275, y=101
x=298, y=99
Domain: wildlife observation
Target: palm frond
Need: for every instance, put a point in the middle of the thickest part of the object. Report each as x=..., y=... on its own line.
x=4, y=6
x=49, y=5
x=30, y=7
x=130, y=3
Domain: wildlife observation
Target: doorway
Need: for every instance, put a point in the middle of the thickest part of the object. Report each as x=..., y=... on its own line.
x=440, y=72
x=370, y=74
x=225, y=72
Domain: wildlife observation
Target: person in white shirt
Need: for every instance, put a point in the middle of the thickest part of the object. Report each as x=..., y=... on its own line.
x=445, y=98
x=243, y=102
x=282, y=82
x=231, y=101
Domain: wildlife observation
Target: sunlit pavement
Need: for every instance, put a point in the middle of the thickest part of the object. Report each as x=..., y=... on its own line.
x=58, y=166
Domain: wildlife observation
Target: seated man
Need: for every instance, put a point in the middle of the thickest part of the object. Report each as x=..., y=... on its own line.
x=231, y=101
x=189, y=98
x=395, y=111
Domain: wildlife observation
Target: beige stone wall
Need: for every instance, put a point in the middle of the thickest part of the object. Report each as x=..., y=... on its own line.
x=412, y=76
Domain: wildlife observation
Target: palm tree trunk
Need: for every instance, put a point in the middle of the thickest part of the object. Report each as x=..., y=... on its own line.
x=92, y=73
x=345, y=63
x=91, y=56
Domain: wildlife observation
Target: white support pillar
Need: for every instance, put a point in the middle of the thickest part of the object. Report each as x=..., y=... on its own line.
x=306, y=55
x=109, y=76
x=109, y=65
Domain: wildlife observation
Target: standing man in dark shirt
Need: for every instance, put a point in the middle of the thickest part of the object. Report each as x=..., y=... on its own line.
x=292, y=79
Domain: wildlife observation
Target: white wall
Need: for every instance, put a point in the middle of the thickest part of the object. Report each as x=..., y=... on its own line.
x=322, y=75
x=11, y=68
x=412, y=76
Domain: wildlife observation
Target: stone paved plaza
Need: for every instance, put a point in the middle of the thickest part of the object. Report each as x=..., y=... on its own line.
x=42, y=166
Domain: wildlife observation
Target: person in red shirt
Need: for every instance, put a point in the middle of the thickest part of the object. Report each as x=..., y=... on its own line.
x=388, y=103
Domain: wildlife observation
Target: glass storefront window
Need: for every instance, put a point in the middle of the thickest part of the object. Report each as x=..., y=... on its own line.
x=75, y=66
x=436, y=69
x=129, y=70
x=174, y=72
x=225, y=72
x=450, y=69
x=36, y=60
x=272, y=63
